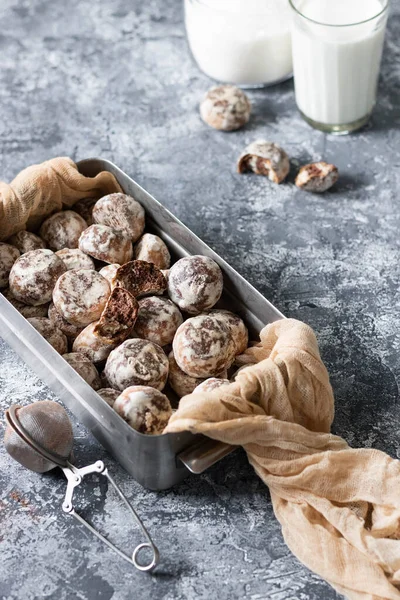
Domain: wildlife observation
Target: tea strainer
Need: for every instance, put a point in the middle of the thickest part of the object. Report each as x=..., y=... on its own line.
x=39, y=436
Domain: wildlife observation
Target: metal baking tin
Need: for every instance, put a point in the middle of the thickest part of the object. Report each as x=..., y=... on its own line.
x=157, y=462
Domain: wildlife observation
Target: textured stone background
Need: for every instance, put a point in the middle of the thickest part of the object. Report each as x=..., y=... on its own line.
x=115, y=79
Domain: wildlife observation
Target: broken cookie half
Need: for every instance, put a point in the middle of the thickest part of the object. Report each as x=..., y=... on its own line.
x=119, y=315
x=317, y=177
x=265, y=158
x=140, y=278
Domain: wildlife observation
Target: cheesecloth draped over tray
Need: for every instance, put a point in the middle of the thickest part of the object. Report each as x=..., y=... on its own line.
x=339, y=507
x=43, y=189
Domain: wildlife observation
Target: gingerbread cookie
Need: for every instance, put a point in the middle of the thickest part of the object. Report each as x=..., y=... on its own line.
x=51, y=333
x=152, y=249
x=203, y=346
x=73, y=258
x=106, y=244
x=158, y=319
x=34, y=275
x=62, y=230
x=26, y=241
x=137, y=362
x=94, y=346
x=208, y=385
x=145, y=409
x=195, y=284
x=109, y=272
x=181, y=382
x=71, y=331
x=84, y=367
x=80, y=296
x=238, y=329
x=8, y=256
x=121, y=212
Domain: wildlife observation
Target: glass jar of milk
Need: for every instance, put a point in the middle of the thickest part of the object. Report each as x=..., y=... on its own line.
x=337, y=49
x=245, y=42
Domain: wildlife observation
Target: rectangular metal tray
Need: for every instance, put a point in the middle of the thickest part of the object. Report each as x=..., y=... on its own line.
x=154, y=461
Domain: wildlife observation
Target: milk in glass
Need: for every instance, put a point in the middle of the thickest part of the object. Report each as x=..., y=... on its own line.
x=246, y=42
x=337, y=49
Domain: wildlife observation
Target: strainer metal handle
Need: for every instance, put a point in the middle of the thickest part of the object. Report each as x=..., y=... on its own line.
x=74, y=478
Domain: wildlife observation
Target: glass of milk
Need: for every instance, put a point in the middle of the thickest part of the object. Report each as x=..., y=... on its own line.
x=337, y=50
x=245, y=42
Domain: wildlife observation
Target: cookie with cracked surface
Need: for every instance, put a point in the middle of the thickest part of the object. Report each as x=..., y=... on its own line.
x=8, y=256
x=137, y=362
x=203, y=346
x=157, y=320
x=26, y=241
x=51, y=333
x=80, y=296
x=317, y=177
x=62, y=230
x=195, y=283
x=145, y=409
x=121, y=212
x=34, y=275
x=265, y=158
x=106, y=244
x=152, y=249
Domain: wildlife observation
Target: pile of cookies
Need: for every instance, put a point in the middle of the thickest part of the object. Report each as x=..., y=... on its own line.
x=104, y=294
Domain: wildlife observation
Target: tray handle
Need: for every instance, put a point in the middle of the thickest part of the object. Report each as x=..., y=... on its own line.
x=205, y=453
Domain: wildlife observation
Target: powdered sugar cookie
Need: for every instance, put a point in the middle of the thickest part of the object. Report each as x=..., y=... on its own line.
x=93, y=345
x=62, y=230
x=51, y=333
x=137, y=362
x=158, y=319
x=34, y=275
x=73, y=258
x=26, y=241
x=195, y=283
x=80, y=296
x=152, y=249
x=8, y=256
x=121, y=212
x=145, y=409
x=84, y=367
x=203, y=346
x=106, y=244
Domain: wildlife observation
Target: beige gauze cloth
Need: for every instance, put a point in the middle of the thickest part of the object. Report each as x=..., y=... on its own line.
x=339, y=507
x=43, y=189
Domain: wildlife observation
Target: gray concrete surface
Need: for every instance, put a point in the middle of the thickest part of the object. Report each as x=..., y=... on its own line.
x=115, y=79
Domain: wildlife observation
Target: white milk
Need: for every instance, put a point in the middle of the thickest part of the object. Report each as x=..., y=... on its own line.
x=246, y=42
x=336, y=68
